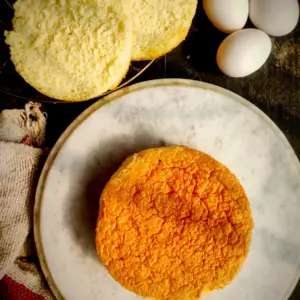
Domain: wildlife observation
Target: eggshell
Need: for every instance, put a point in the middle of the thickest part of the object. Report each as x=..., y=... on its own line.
x=227, y=15
x=275, y=17
x=243, y=52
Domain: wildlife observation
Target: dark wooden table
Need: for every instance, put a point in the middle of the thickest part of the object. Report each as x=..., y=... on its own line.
x=275, y=88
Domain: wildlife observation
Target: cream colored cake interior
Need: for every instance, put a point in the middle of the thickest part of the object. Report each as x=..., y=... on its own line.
x=71, y=50
x=76, y=50
x=159, y=26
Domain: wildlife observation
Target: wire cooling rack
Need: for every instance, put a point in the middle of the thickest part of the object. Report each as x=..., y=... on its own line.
x=12, y=84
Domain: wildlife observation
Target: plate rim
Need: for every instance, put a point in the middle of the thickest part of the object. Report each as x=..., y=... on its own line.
x=115, y=96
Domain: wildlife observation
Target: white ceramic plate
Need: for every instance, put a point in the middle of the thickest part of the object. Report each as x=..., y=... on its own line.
x=164, y=112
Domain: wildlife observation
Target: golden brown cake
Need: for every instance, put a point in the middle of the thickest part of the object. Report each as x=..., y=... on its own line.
x=173, y=223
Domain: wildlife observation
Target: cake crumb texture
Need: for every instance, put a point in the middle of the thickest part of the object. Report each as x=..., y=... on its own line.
x=160, y=26
x=69, y=49
x=173, y=223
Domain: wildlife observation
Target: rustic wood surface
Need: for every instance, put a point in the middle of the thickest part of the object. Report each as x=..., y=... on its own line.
x=275, y=88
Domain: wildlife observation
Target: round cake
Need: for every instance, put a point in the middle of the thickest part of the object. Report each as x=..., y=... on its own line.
x=71, y=50
x=174, y=223
x=160, y=26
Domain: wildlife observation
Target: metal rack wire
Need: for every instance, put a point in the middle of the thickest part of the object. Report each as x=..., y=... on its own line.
x=12, y=84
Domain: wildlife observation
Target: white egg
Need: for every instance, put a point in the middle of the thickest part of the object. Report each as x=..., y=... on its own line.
x=227, y=15
x=275, y=17
x=243, y=52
